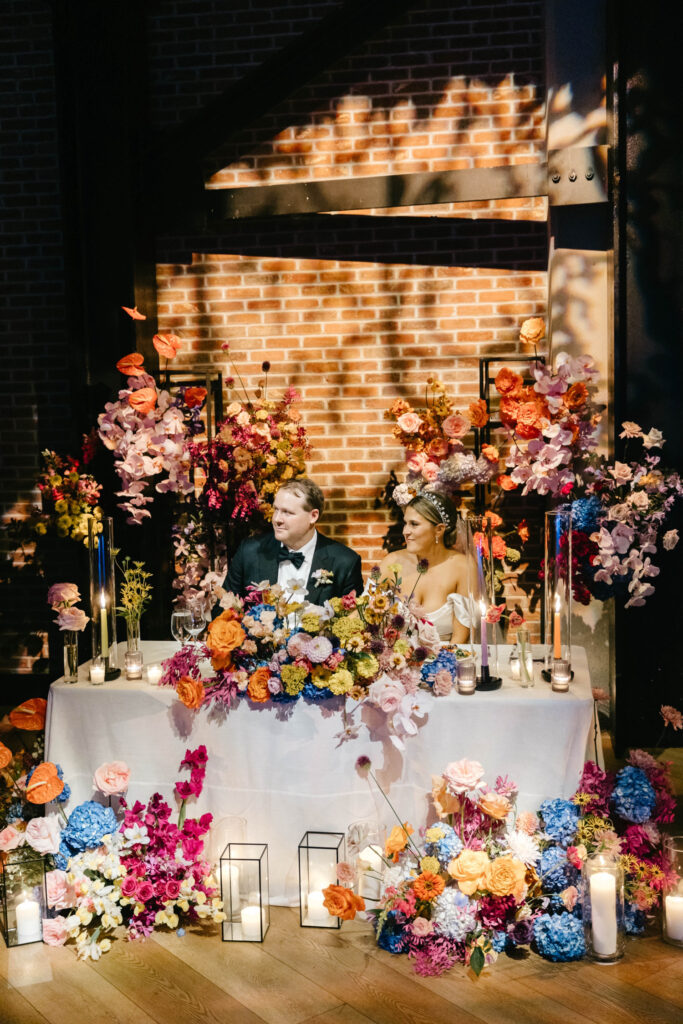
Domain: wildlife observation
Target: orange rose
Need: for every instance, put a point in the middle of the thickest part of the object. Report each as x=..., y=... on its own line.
x=499, y=547
x=225, y=634
x=167, y=345
x=438, y=448
x=506, y=482
x=194, y=396
x=397, y=840
x=131, y=365
x=257, y=688
x=191, y=692
x=469, y=870
x=490, y=452
x=444, y=802
x=508, y=411
x=576, y=396
x=508, y=383
x=478, y=413
x=532, y=331
x=30, y=715
x=342, y=902
x=428, y=886
x=506, y=876
x=6, y=756
x=495, y=805
x=143, y=400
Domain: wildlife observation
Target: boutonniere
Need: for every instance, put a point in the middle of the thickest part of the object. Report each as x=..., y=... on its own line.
x=322, y=576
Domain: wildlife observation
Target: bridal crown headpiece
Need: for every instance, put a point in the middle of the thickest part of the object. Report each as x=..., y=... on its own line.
x=438, y=504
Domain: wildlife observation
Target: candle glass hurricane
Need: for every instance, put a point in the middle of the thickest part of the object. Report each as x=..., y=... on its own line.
x=672, y=896
x=319, y=855
x=22, y=896
x=244, y=891
x=365, y=852
x=603, y=908
x=103, y=595
x=482, y=600
x=557, y=589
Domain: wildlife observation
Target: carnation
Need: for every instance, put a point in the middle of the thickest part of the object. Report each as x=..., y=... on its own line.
x=522, y=846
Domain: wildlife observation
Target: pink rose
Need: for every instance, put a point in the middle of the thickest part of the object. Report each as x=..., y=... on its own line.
x=63, y=593
x=456, y=426
x=172, y=889
x=670, y=540
x=443, y=683
x=346, y=874
x=60, y=894
x=428, y=635
x=112, y=778
x=54, y=931
x=409, y=422
x=416, y=461
x=494, y=613
x=386, y=694
x=128, y=886
x=463, y=776
x=421, y=926
x=569, y=897
x=72, y=618
x=621, y=472
x=43, y=834
x=144, y=891
x=11, y=838
x=430, y=471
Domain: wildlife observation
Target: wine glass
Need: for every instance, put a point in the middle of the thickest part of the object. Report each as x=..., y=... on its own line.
x=180, y=624
x=195, y=622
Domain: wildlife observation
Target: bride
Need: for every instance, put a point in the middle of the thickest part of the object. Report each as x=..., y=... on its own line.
x=430, y=528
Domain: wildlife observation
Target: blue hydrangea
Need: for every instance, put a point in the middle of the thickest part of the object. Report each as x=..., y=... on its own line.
x=633, y=796
x=15, y=812
x=312, y=692
x=556, y=871
x=560, y=818
x=454, y=915
x=634, y=919
x=559, y=937
x=446, y=848
x=444, y=660
x=87, y=824
x=586, y=514
x=257, y=610
x=499, y=941
x=391, y=936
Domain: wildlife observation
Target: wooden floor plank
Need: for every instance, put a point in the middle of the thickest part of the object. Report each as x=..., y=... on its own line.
x=14, y=1009
x=341, y=1015
x=278, y=994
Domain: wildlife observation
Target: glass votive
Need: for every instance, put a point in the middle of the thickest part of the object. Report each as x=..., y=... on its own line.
x=133, y=662
x=560, y=675
x=603, y=908
x=467, y=676
x=97, y=671
x=672, y=901
x=154, y=673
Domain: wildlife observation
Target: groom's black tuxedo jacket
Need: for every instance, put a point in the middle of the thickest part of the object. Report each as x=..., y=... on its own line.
x=256, y=560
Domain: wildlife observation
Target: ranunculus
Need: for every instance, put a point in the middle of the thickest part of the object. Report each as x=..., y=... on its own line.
x=505, y=876
x=508, y=383
x=44, y=834
x=225, y=634
x=495, y=805
x=54, y=931
x=11, y=838
x=63, y=593
x=194, y=397
x=463, y=776
x=386, y=694
x=60, y=894
x=144, y=891
x=112, y=778
x=190, y=692
x=72, y=618
x=456, y=425
x=506, y=482
x=498, y=546
x=257, y=689
x=346, y=873
x=416, y=461
x=430, y=471
x=143, y=400
x=469, y=870
x=478, y=413
x=409, y=422
x=167, y=345
x=131, y=365
x=444, y=801
x=397, y=840
x=342, y=902
x=576, y=396
x=532, y=330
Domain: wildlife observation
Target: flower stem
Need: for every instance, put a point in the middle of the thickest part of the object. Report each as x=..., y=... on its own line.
x=407, y=834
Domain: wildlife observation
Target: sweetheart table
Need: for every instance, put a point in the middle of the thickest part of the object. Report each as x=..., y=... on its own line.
x=286, y=769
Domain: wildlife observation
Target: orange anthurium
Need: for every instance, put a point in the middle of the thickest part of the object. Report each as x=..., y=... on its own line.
x=131, y=365
x=45, y=784
x=133, y=313
x=143, y=400
x=30, y=715
x=194, y=396
x=6, y=756
x=167, y=345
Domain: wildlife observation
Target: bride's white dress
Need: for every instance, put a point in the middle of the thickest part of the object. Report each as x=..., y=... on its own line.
x=442, y=619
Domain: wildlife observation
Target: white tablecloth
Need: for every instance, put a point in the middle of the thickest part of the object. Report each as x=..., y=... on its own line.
x=283, y=768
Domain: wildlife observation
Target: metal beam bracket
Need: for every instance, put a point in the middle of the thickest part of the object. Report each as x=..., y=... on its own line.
x=577, y=176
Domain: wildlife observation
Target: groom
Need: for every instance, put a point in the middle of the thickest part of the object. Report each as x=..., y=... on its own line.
x=296, y=551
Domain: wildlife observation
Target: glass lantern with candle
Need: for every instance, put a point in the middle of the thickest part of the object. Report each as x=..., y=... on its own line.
x=481, y=587
x=22, y=896
x=672, y=896
x=245, y=892
x=558, y=590
x=603, y=908
x=103, y=595
x=365, y=851
x=319, y=854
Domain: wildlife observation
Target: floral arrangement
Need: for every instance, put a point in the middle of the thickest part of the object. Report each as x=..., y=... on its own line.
x=62, y=598
x=145, y=872
x=135, y=593
x=432, y=436
x=200, y=553
x=69, y=498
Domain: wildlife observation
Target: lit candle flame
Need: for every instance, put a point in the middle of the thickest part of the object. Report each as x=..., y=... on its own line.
x=558, y=603
x=103, y=600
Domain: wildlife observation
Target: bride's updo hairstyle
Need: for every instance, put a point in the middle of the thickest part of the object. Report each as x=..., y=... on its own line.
x=440, y=510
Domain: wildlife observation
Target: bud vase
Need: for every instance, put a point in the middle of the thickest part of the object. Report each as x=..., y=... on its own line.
x=133, y=635
x=482, y=599
x=70, y=656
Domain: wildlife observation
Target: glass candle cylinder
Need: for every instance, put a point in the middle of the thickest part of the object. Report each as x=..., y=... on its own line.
x=365, y=852
x=560, y=675
x=245, y=892
x=467, y=676
x=481, y=588
x=133, y=662
x=103, y=595
x=70, y=656
x=319, y=855
x=154, y=673
x=603, y=908
x=558, y=587
x=672, y=896
x=22, y=897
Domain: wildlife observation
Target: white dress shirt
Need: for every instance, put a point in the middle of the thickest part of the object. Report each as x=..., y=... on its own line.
x=287, y=571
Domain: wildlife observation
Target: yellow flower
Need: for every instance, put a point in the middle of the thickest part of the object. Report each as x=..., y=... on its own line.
x=340, y=681
x=84, y=916
x=402, y=646
x=61, y=505
x=432, y=835
x=105, y=945
x=345, y=628
x=430, y=865
x=310, y=623
x=320, y=676
x=172, y=920
x=469, y=870
x=367, y=667
x=201, y=897
x=372, y=616
x=336, y=604
x=355, y=643
x=293, y=678
x=184, y=905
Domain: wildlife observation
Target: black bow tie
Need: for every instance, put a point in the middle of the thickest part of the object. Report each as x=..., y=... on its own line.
x=297, y=558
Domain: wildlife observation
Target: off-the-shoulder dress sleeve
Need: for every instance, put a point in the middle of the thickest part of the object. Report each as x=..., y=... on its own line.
x=462, y=607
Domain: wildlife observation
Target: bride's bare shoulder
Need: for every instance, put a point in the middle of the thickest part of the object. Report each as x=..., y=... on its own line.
x=457, y=566
x=402, y=558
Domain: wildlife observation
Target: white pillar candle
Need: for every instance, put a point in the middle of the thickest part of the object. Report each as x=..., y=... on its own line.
x=371, y=857
x=230, y=884
x=28, y=921
x=317, y=913
x=603, y=892
x=673, y=917
x=153, y=674
x=97, y=672
x=251, y=923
